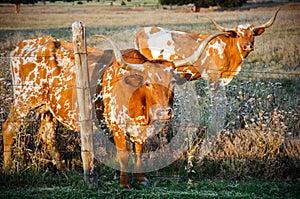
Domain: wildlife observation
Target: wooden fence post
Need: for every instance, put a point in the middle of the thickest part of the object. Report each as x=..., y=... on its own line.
x=84, y=104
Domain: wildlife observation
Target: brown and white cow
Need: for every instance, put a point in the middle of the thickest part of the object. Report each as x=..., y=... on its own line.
x=134, y=92
x=223, y=56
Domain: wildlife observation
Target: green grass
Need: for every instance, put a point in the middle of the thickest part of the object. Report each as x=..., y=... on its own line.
x=54, y=185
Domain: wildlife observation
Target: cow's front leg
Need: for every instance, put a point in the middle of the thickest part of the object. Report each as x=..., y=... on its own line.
x=139, y=175
x=120, y=141
x=47, y=132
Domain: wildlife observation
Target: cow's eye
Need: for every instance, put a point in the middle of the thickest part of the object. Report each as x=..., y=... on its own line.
x=173, y=82
x=147, y=84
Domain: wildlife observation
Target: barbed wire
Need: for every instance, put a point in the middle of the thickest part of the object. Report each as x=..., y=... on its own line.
x=241, y=75
x=212, y=71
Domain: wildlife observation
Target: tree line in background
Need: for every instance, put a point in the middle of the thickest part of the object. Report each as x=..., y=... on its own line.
x=17, y=3
x=197, y=3
x=205, y=3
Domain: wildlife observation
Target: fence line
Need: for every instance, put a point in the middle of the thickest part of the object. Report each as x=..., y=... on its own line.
x=241, y=75
x=74, y=85
x=234, y=71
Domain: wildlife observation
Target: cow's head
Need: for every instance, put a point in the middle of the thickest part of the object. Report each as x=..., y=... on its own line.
x=153, y=96
x=245, y=33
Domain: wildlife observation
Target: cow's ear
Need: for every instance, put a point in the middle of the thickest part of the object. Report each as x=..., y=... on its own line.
x=258, y=31
x=231, y=33
x=182, y=78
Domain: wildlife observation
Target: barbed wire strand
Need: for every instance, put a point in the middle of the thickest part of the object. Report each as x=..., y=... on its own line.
x=212, y=70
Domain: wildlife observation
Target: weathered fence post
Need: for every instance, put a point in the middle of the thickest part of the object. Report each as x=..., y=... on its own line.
x=84, y=104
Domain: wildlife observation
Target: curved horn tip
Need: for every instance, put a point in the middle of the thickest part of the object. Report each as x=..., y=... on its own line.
x=271, y=20
x=118, y=56
x=99, y=36
x=116, y=49
x=276, y=12
x=219, y=27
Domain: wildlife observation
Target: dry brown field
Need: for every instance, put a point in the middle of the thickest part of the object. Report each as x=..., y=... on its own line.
x=62, y=16
x=277, y=48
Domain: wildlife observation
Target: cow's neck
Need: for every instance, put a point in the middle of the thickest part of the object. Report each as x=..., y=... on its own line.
x=231, y=64
x=235, y=55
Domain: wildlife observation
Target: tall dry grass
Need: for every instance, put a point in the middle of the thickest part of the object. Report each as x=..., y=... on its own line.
x=260, y=137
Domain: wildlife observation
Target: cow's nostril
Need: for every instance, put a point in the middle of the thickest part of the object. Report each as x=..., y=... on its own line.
x=164, y=113
x=170, y=112
x=248, y=47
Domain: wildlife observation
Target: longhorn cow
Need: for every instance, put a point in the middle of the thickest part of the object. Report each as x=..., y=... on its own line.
x=132, y=93
x=222, y=59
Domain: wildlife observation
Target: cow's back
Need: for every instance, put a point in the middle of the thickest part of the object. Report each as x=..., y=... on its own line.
x=44, y=75
x=158, y=43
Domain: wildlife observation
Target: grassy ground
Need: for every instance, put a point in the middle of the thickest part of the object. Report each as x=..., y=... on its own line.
x=53, y=185
x=260, y=161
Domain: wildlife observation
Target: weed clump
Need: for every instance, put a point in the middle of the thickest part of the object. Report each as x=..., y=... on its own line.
x=261, y=134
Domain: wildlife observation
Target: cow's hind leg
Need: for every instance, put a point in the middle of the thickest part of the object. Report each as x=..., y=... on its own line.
x=9, y=129
x=47, y=132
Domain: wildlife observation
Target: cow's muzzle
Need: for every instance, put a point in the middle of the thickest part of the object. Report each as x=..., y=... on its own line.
x=163, y=114
x=248, y=47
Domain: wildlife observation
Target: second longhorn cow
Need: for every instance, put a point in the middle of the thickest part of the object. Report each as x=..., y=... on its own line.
x=223, y=57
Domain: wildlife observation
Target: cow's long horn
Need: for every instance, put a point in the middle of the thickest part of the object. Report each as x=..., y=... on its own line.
x=193, y=58
x=118, y=56
x=269, y=23
x=219, y=27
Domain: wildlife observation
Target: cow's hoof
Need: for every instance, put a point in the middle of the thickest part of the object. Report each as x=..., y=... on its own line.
x=145, y=183
x=62, y=167
x=142, y=180
x=126, y=186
